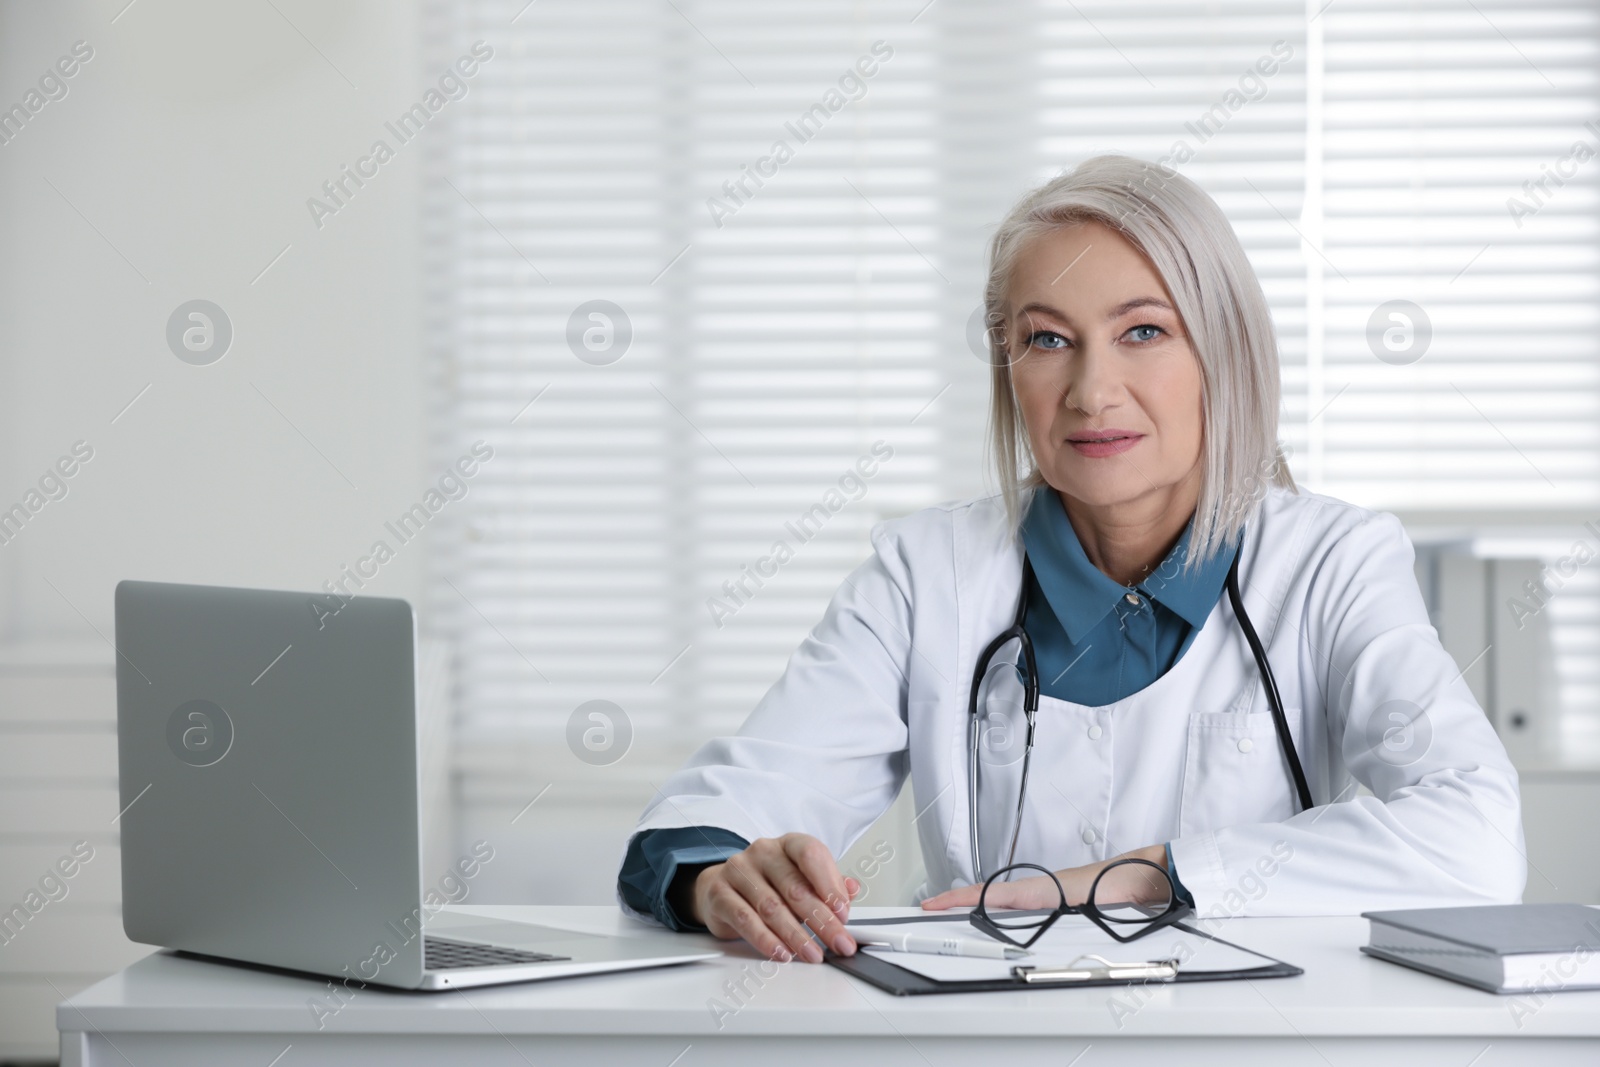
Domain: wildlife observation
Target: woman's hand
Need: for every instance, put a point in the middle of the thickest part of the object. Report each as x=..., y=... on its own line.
x=1131, y=882
x=769, y=893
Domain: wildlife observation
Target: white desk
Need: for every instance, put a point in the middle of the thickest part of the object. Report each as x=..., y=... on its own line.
x=1346, y=1009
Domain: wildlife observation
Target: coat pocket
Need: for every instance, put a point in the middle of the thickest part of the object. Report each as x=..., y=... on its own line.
x=1235, y=771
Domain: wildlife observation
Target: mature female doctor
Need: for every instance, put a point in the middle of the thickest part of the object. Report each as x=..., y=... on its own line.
x=1135, y=383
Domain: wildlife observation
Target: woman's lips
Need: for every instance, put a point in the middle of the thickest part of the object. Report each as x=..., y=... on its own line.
x=1103, y=443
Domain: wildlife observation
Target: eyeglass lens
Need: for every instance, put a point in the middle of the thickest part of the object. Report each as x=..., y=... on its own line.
x=1132, y=892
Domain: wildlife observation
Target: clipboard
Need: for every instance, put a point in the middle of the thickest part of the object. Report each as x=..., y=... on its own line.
x=877, y=970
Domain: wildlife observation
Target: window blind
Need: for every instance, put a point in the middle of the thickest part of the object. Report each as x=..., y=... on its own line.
x=790, y=315
x=1451, y=181
x=1455, y=151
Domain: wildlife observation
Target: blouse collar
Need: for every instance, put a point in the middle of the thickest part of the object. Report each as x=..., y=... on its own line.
x=1081, y=595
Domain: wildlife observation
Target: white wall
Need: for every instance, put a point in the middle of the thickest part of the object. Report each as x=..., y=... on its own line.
x=187, y=147
x=191, y=142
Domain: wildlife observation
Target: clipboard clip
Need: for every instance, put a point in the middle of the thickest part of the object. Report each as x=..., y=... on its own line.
x=1100, y=969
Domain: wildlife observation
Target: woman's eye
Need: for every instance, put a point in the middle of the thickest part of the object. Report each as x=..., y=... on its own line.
x=1146, y=332
x=1046, y=339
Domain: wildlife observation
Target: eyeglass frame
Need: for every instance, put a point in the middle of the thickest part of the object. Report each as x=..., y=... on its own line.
x=1175, y=911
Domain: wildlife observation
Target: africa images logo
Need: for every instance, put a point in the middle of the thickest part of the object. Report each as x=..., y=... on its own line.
x=199, y=733
x=199, y=332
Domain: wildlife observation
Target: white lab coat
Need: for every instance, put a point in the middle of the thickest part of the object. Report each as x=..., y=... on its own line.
x=880, y=688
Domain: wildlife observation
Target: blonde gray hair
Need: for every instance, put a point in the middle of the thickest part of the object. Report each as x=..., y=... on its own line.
x=1189, y=242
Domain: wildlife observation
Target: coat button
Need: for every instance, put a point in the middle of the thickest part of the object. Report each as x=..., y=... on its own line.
x=1088, y=836
x=1245, y=744
x=1094, y=733
x=1132, y=598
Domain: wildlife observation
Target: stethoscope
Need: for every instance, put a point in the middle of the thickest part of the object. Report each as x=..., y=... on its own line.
x=1030, y=705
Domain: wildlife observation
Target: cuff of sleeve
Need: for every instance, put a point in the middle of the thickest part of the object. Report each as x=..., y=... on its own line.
x=1179, y=888
x=690, y=856
x=1201, y=860
x=654, y=857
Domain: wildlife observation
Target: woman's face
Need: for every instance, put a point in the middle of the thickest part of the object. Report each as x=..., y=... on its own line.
x=1107, y=384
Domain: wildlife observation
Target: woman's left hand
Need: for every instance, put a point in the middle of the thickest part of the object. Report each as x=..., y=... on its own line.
x=1132, y=882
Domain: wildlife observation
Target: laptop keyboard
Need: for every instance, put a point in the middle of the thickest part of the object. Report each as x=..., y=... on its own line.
x=445, y=954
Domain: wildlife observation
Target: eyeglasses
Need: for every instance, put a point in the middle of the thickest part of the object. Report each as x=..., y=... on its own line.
x=1162, y=907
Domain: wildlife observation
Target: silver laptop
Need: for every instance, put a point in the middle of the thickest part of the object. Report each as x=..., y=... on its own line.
x=267, y=743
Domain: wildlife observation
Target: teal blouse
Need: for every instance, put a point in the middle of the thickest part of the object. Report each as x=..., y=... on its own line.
x=1095, y=639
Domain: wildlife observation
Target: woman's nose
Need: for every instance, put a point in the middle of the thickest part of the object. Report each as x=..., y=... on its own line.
x=1092, y=384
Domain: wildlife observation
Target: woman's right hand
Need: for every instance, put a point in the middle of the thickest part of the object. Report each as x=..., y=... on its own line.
x=772, y=891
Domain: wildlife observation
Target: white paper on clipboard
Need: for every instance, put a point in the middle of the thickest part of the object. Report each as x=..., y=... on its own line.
x=1071, y=936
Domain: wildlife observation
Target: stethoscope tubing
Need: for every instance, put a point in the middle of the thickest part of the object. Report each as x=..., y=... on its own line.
x=1274, y=700
x=1030, y=710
